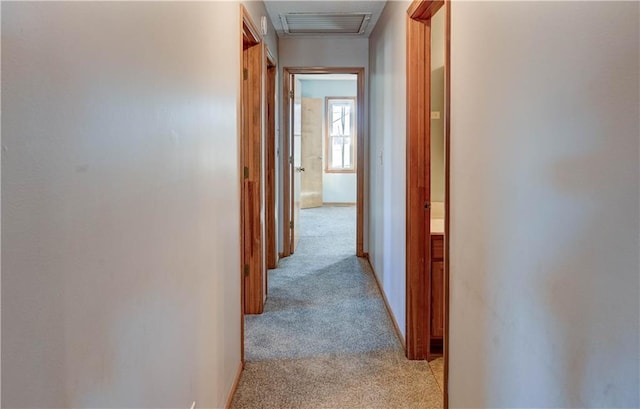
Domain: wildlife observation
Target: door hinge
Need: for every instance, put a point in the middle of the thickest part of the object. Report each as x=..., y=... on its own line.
x=291, y=224
x=427, y=205
x=291, y=94
x=245, y=74
x=246, y=270
x=246, y=172
x=290, y=160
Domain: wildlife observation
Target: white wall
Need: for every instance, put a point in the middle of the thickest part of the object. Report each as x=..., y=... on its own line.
x=257, y=10
x=324, y=52
x=387, y=151
x=545, y=199
x=545, y=205
x=120, y=204
x=322, y=88
x=328, y=52
x=437, y=105
x=336, y=187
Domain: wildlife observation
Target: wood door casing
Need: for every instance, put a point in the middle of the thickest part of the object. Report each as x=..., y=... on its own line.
x=287, y=174
x=270, y=167
x=311, y=177
x=421, y=12
x=418, y=215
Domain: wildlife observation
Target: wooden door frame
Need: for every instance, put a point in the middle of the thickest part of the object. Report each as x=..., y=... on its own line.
x=249, y=34
x=287, y=149
x=419, y=17
x=418, y=222
x=270, y=161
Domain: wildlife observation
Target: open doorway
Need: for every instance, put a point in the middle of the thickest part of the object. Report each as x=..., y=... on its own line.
x=324, y=156
x=428, y=200
x=323, y=122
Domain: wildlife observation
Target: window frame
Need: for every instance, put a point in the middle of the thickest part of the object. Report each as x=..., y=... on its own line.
x=327, y=135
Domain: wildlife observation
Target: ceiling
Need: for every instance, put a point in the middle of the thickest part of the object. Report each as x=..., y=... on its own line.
x=319, y=18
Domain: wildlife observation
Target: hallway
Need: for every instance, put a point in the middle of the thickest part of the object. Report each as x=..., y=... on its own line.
x=325, y=339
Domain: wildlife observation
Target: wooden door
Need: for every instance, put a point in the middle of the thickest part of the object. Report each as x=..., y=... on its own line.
x=270, y=165
x=252, y=179
x=437, y=299
x=418, y=222
x=297, y=164
x=288, y=169
x=311, y=177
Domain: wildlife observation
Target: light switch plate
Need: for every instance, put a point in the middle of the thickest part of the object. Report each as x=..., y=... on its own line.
x=435, y=114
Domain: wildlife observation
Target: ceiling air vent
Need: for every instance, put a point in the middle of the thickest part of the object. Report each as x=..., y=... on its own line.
x=325, y=23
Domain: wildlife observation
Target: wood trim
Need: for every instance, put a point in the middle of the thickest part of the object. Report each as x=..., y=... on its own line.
x=249, y=29
x=327, y=142
x=270, y=163
x=423, y=10
x=447, y=194
x=418, y=223
x=234, y=386
x=396, y=327
x=288, y=73
x=271, y=62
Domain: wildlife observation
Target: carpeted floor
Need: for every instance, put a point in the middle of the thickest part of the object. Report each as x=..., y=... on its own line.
x=325, y=339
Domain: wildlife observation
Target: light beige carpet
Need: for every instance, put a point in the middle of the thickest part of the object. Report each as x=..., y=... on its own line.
x=325, y=340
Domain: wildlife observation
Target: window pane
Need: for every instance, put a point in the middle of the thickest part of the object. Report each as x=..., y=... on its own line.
x=336, y=153
x=347, y=153
x=341, y=127
x=347, y=121
x=336, y=115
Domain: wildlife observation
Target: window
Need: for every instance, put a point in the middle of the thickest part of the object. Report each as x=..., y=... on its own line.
x=341, y=135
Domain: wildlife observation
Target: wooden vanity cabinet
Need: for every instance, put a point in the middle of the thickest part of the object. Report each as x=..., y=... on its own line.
x=437, y=289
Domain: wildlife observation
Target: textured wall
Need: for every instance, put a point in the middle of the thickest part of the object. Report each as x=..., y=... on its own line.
x=387, y=152
x=437, y=104
x=120, y=204
x=544, y=204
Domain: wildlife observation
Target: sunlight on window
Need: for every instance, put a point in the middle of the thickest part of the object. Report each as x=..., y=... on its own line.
x=341, y=125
